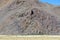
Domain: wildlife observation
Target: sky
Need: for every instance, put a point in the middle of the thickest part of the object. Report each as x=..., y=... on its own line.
x=54, y=2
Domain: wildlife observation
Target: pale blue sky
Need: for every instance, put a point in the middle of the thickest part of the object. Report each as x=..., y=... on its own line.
x=54, y=2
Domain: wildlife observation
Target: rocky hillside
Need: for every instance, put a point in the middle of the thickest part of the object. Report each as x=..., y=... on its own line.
x=29, y=17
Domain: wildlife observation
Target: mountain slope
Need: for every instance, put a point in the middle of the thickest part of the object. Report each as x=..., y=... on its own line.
x=29, y=17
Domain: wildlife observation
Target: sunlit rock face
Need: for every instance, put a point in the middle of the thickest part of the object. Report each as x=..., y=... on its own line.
x=28, y=17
